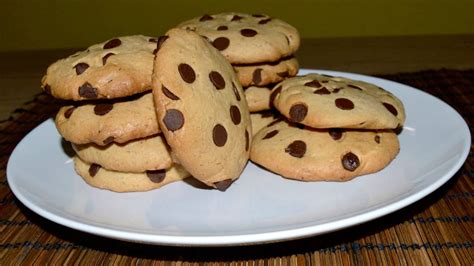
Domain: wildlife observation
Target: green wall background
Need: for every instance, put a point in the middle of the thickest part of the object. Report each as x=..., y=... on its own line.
x=50, y=24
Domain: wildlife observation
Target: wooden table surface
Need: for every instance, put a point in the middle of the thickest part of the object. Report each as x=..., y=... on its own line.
x=435, y=230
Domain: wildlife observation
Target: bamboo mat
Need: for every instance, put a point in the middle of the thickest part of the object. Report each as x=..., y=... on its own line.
x=438, y=229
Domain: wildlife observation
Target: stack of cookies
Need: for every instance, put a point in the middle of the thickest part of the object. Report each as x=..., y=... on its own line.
x=331, y=129
x=260, y=48
x=109, y=115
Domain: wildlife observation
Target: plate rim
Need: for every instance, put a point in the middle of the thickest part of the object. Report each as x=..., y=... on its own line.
x=251, y=238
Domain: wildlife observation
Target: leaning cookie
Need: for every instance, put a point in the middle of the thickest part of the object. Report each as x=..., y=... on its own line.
x=201, y=108
x=245, y=39
x=264, y=74
x=99, y=177
x=151, y=153
x=307, y=154
x=104, y=123
x=116, y=68
x=322, y=101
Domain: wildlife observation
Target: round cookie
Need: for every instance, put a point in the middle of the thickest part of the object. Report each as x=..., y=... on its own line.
x=258, y=98
x=262, y=119
x=99, y=177
x=264, y=74
x=322, y=101
x=135, y=156
x=308, y=154
x=201, y=108
x=116, y=68
x=104, y=123
x=245, y=39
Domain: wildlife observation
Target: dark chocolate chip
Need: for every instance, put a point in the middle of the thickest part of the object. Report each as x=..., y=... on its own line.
x=298, y=112
x=344, y=104
x=112, y=43
x=236, y=18
x=350, y=161
x=283, y=74
x=219, y=135
x=222, y=27
x=169, y=94
x=354, y=87
x=257, y=76
x=336, y=90
x=274, y=94
x=206, y=17
x=248, y=32
x=247, y=140
x=235, y=115
x=313, y=83
x=81, y=67
x=296, y=149
x=108, y=140
x=217, y=80
x=87, y=91
x=105, y=57
x=156, y=176
x=335, y=133
x=322, y=91
x=93, y=169
x=160, y=42
x=187, y=73
x=68, y=112
x=391, y=109
x=270, y=134
x=264, y=21
x=223, y=185
x=377, y=139
x=221, y=43
x=155, y=40
x=236, y=92
x=173, y=119
x=103, y=108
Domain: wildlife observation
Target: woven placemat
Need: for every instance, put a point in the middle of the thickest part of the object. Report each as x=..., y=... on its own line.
x=437, y=229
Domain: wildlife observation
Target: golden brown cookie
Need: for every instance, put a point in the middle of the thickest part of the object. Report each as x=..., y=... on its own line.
x=265, y=74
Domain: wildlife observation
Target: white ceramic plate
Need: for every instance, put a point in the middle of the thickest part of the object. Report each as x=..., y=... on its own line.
x=260, y=206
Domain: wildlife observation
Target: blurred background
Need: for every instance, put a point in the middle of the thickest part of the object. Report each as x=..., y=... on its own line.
x=54, y=24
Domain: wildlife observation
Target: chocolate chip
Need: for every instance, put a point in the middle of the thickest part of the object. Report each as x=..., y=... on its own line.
x=298, y=112
x=377, y=139
x=217, y=80
x=222, y=27
x=103, y=108
x=108, y=140
x=354, y=87
x=264, y=21
x=322, y=91
x=283, y=74
x=221, y=43
x=236, y=92
x=173, y=119
x=169, y=94
x=160, y=42
x=206, y=17
x=47, y=89
x=391, y=109
x=270, y=134
x=156, y=176
x=257, y=76
x=93, y=169
x=344, y=104
x=248, y=32
x=247, y=140
x=313, y=83
x=336, y=90
x=274, y=94
x=68, y=112
x=350, y=161
x=187, y=73
x=296, y=149
x=223, y=185
x=287, y=40
x=335, y=133
x=155, y=40
x=219, y=135
x=105, y=57
x=81, y=67
x=112, y=43
x=87, y=91
x=235, y=114
x=236, y=18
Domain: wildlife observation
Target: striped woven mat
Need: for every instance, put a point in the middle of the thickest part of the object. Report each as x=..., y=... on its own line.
x=438, y=229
